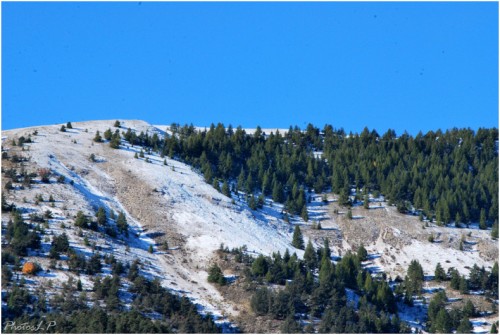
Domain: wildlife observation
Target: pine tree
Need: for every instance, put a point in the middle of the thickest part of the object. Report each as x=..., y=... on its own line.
x=494, y=230
x=439, y=274
x=362, y=253
x=349, y=214
x=121, y=223
x=101, y=216
x=69, y=125
x=150, y=249
x=107, y=134
x=304, y=214
x=366, y=202
x=63, y=128
x=414, y=278
x=278, y=192
x=494, y=329
x=298, y=239
x=326, y=252
x=225, y=189
x=259, y=266
x=215, y=275
x=97, y=137
x=482, y=219
x=310, y=256
x=290, y=326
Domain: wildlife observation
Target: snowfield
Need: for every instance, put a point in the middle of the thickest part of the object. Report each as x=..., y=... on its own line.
x=189, y=208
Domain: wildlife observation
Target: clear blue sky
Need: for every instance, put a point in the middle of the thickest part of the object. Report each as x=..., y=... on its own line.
x=405, y=66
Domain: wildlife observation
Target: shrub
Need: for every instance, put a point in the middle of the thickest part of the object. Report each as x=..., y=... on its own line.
x=44, y=175
x=30, y=268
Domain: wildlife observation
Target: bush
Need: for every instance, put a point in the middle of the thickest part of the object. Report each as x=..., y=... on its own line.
x=45, y=175
x=215, y=275
x=30, y=268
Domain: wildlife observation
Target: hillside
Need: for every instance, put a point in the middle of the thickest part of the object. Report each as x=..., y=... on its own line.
x=177, y=223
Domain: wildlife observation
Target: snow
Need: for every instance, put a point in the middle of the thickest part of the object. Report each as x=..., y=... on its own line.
x=205, y=217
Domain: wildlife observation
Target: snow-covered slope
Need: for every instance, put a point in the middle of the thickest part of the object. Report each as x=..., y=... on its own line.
x=171, y=201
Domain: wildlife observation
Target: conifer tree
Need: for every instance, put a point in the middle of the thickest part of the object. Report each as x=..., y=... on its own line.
x=278, y=192
x=494, y=230
x=310, y=256
x=494, y=329
x=97, y=137
x=225, y=189
x=362, y=253
x=482, y=219
x=439, y=274
x=107, y=134
x=366, y=202
x=298, y=239
x=215, y=275
x=101, y=216
x=304, y=215
x=69, y=125
x=121, y=223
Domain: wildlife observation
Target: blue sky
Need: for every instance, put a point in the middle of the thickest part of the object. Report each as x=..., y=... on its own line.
x=399, y=65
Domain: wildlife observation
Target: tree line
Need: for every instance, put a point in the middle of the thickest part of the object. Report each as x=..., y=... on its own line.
x=448, y=176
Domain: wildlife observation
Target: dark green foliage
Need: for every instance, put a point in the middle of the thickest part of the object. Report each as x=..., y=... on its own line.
x=366, y=201
x=76, y=262
x=69, y=125
x=225, y=189
x=326, y=299
x=436, y=304
x=150, y=249
x=469, y=310
x=310, y=257
x=290, y=326
x=98, y=137
x=349, y=214
x=414, y=279
x=441, y=323
x=494, y=329
x=298, y=240
x=19, y=235
x=94, y=264
x=117, y=124
x=63, y=128
x=115, y=140
x=81, y=220
x=60, y=243
x=107, y=134
x=260, y=301
x=362, y=253
x=18, y=299
x=101, y=216
x=440, y=172
x=494, y=230
x=465, y=326
x=304, y=215
x=6, y=274
x=121, y=224
x=482, y=219
x=259, y=266
x=439, y=274
x=215, y=275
